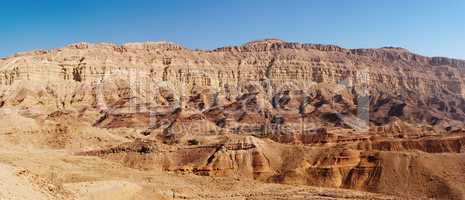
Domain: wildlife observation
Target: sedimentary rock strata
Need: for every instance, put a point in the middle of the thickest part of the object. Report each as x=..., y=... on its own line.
x=268, y=110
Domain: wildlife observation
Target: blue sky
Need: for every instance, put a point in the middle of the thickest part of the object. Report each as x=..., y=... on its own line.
x=428, y=27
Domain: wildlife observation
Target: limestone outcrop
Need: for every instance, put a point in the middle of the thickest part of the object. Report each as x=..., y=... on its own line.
x=268, y=110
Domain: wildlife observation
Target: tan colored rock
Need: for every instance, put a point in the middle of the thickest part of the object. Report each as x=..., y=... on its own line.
x=268, y=110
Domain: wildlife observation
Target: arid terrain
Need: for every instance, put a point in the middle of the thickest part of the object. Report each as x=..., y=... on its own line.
x=268, y=119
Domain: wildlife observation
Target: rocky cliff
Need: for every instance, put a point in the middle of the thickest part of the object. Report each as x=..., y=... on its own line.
x=268, y=110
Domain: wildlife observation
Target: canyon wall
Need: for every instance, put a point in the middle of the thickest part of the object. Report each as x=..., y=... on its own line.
x=267, y=110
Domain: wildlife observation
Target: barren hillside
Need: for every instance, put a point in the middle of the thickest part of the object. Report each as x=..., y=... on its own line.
x=265, y=120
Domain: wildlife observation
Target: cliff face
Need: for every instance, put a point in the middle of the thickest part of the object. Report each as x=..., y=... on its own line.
x=348, y=107
x=264, y=80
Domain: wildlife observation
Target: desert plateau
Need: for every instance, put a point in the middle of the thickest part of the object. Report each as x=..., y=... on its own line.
x=268, y=119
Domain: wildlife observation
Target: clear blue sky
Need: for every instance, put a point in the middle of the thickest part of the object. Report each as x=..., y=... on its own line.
x=428, y=27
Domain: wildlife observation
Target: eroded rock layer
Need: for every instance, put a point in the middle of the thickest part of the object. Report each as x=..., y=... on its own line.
x=267, y=110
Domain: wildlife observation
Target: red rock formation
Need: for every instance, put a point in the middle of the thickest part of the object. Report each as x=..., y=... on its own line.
x=268, y=110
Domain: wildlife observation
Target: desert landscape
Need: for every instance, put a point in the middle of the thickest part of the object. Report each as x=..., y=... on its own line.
x=268, y=119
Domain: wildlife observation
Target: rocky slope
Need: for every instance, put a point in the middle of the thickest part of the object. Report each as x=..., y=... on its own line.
x=269, y=110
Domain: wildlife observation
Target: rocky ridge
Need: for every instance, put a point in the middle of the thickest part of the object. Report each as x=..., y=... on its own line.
x=267, y=110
